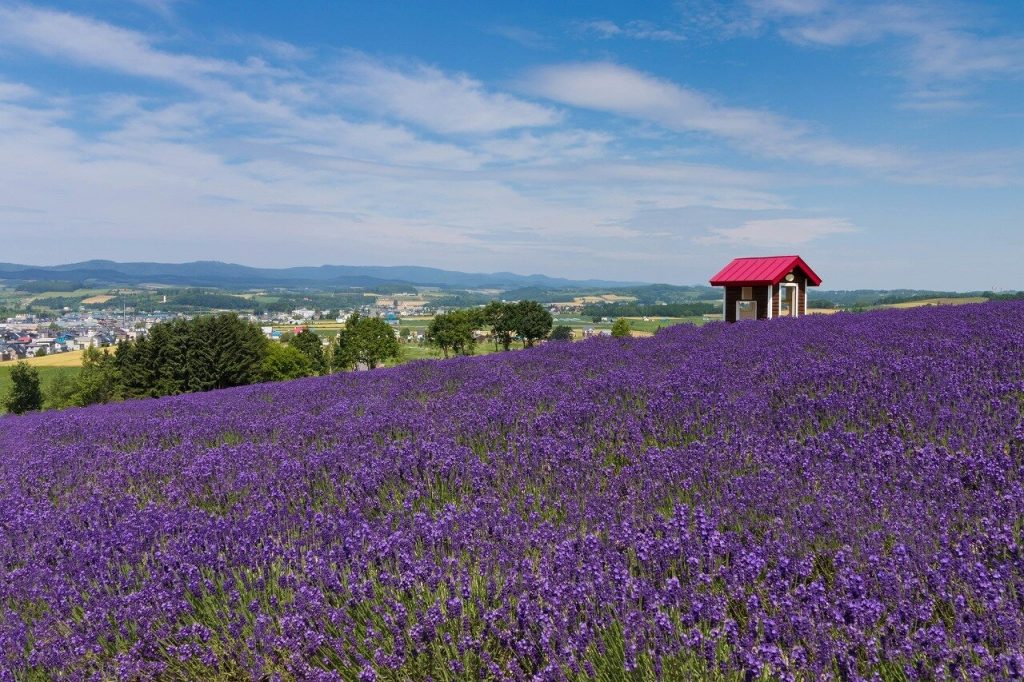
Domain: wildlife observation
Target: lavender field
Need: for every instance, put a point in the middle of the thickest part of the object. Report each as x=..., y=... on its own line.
x=836, y=497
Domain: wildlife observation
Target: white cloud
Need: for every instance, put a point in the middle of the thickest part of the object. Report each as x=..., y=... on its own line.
x=797, y=7
x=933, y=43
x=780, y=232
x=303, y=187
x=638, y=29
x=518, y=34
x=440, y=102
x=617, y=89
x=12, y=92
x=164, y=8
x=97, y=44
x=364, y=160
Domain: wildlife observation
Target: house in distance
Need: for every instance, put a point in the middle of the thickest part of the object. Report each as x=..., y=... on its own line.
x=765, y=287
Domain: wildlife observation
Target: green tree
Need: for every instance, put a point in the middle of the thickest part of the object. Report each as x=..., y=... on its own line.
x=60, y=393
x=621, y=327
x=41, y=352
x=452, y=332
x=24, y=395
x=364, y=341
x=190, y=355
x=235, y=348
x=137, y=375
x=532, y=322
x=283, y=362
x=561, y=333
x=97, y=381
x=309, y=344
x=501, y=318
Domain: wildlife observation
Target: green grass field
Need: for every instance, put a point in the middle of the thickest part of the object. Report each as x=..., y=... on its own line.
x=47, y=373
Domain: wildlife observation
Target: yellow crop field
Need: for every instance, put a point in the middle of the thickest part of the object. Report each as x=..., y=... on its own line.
x=69, y=359
x=597, y=298
x=938, y=301
x=97, y=299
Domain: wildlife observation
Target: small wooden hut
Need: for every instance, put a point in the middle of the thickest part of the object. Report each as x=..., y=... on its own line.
x=765, y=288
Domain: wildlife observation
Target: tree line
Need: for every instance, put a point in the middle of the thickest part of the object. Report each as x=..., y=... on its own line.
x=454, y=332
x=596, y=311
x=202, y=354
x=222, y=351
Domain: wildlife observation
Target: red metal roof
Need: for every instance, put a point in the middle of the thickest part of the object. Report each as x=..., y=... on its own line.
x=761, y=271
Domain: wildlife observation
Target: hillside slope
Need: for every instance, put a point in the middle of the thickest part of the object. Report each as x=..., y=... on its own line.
x=841, y=505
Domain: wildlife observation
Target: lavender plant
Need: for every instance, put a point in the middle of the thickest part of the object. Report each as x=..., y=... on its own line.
x=836, y=497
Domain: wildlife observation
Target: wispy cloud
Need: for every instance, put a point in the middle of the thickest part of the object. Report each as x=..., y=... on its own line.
x=638, y=29
x=164, y=8
x=441, y=102
x=312, y=155
x=777, y=232
x=12, y=92
x=356, y=159
x=618, y=89
x=526, y=37
x=92, y=43
x=934, y=45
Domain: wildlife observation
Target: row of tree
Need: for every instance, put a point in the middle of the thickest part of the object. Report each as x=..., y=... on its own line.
x=528, y=321
x=205, y=353
x=364, y=342
x=596, y=311
x=221, y=351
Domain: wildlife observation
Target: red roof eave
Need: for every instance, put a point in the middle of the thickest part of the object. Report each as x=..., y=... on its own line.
x=762, y=271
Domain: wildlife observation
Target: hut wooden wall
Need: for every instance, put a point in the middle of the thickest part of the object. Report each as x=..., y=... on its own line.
x=733, y=294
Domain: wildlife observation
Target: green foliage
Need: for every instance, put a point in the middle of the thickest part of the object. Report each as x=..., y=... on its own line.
x=561, y=333
x=183, y=356
x=1005, y=296
x=452, y=332
x=501, y=319
x=598, y=310
x=364, y=340
x=97, y=382
x=40, y=285
x=532, y=321
x=462, y=299
x=41, y=353
x=24, y=395
x=197, y=298
x=283, y=362
x=309, y=344
x=60, y=393
x=621, y=327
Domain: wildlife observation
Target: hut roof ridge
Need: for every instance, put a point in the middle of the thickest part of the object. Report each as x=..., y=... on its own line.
x=762, y=270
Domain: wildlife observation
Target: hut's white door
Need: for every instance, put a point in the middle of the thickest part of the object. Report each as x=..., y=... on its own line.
x=787, y=300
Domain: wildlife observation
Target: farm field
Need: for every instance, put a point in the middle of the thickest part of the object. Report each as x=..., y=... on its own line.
x=686, y=506
x=48, y=366
x=937, y=301
x=329, y=329
x=47, y=373
x=69, y=359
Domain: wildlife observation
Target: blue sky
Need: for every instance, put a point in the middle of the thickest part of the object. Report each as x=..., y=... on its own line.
x=882, y=141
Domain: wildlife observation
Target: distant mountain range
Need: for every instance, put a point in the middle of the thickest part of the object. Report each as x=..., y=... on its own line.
x=232, y=276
